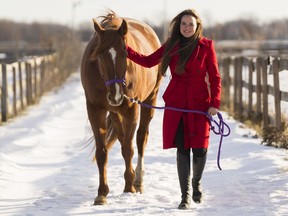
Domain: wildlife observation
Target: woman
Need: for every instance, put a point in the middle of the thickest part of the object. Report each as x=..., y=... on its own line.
x=195, y=85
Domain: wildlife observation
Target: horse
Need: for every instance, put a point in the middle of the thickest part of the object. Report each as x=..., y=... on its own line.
x=108, y=77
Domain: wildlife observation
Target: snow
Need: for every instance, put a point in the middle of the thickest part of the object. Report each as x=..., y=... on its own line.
x=47, y=168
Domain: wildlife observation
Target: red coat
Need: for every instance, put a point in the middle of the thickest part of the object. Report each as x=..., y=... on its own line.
x=190, y=91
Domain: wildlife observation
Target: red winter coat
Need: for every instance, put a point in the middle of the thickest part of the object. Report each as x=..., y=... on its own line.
x=190, y=91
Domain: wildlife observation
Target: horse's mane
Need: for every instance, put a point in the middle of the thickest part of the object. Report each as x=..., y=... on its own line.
x=109, y=23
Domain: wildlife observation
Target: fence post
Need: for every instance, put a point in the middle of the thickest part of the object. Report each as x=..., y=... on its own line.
x=250, y=87
x=235, y=85
x=258, y=87
x=28, y=84
x=265, y=116
x=42, y=76
x=240, y=86
x=277, y=96
x=20, y=85
x=35, y=81
x=14, y=86
x=4, y=94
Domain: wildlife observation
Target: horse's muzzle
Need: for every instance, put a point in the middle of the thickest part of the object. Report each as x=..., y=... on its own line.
x=116, y=100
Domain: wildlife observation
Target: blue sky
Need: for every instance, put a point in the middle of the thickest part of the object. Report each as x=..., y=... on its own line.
x=211, y=11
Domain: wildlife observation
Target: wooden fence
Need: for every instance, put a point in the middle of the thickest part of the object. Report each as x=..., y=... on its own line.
x=251, y=88
x=24, y=82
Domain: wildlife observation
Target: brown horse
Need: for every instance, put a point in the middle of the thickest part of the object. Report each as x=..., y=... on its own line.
x=107, y=77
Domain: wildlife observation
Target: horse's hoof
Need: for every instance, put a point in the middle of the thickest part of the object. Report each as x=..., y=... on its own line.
x=100, y=200
x=129, y=190
x=139, y=189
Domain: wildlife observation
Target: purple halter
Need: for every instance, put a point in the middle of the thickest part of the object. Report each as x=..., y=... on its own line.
x=115, y=81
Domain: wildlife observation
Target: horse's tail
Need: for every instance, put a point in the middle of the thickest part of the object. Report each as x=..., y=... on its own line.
x=111, y=134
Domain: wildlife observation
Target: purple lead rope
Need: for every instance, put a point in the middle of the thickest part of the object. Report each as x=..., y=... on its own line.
x=219, y=125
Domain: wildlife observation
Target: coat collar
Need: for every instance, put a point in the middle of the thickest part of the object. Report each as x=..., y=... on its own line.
x=203, y=41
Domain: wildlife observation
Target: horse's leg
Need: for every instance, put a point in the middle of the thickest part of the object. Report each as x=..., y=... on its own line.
x=125, y=132
x=142, y=138
x=129, y=127
x=97, y=120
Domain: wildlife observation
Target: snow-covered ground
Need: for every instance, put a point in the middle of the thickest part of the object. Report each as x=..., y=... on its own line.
x=46, y=168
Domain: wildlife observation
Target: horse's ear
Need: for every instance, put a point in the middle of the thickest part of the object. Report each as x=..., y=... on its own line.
x=123, y=28
x=97, y=27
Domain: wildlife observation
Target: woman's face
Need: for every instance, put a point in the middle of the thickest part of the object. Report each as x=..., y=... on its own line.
x=188, y=25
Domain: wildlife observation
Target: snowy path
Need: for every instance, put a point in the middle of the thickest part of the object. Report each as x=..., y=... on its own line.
x=46, y=168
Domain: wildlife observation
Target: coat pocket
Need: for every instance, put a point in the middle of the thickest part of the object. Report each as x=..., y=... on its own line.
x=167, y=96
x=175, y=94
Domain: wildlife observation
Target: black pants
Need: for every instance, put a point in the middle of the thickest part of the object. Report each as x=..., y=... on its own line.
x=179, y=140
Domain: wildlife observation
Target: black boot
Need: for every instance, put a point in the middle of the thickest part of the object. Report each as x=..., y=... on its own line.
x=198, y=167
x=183, y=168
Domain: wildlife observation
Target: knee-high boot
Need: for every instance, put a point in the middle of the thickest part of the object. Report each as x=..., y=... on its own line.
x=184, y=175
x=198, y=168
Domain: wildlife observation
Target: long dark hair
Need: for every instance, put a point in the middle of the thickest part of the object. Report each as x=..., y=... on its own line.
x=186, y=49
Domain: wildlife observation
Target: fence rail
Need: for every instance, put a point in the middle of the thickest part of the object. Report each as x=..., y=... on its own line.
x=251, y=88
x=24, y=82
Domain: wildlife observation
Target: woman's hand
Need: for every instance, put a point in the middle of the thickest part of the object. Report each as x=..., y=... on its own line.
x=212, y=111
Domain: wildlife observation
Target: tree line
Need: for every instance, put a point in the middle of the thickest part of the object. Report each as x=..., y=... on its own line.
x=34, y=39
x=249, y=29
x=32, y=32
x=240, y=29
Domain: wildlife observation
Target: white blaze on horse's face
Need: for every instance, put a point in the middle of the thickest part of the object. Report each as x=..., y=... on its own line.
x=118, y=96
x=112, y=51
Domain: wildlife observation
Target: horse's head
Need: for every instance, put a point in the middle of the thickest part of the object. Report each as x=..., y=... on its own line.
x=110, y=54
